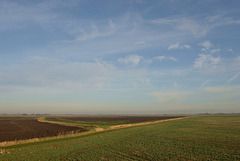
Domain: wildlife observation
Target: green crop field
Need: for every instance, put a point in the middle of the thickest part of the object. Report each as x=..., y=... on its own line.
x=195, y=138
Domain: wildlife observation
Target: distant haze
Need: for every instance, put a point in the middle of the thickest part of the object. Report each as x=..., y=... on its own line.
x=119, y=57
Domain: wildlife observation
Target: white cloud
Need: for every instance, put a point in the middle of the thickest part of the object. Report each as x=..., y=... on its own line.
x=215, y=50
x=161, y=58
x=204, y=61
x=172, y=58
x=173, y=46
x=131, y=59
x=206, y=45
x=178, y=46
x=186, y=46
x=233, y=78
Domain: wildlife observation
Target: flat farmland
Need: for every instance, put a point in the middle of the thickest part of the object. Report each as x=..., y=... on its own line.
x=193, y=138
x=107, y=121
x=21, y=128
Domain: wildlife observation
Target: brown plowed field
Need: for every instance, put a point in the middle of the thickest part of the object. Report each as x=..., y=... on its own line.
x=21, y=128
x=112, y=119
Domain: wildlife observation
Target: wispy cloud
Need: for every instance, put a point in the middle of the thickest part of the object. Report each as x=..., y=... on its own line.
x=185, y=24
x=134, y=60
x=172, y=58
x=205, y=83
x=131, y=59
x=179, y=46
x=92, y=32
x=185, y=46
x=206, y=45
x=16, y=15
x=173, y=46
x=204, y=61
x=233, y=78
x=215, y=50
x=161, y=58
x=197, y=27
x=124, y=33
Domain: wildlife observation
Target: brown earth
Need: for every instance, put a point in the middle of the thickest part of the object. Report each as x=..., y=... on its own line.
x=21, y=128
x=112, y=119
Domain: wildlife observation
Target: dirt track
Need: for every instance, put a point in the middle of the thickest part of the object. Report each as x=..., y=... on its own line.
x=40, y=119
x=143, y=123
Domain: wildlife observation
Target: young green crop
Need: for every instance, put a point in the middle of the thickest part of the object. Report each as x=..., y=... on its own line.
x=195, y=138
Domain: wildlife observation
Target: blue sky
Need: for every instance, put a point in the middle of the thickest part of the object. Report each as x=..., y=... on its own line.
x=121, y=56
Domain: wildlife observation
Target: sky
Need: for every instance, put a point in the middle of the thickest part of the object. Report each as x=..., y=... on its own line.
x=119, y=57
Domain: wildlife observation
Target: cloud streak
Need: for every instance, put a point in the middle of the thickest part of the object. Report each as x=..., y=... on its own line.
x=196, y=27
x=161, y=58
x=178, y=46
x=131, y=59
x=233, y=78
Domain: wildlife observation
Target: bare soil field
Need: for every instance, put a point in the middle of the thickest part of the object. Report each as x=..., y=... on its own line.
x=21, y=128
x=129, y=119
x=109, y=120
